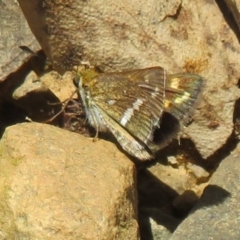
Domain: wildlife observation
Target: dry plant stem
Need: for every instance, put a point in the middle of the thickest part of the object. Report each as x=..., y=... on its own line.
x=63, y=108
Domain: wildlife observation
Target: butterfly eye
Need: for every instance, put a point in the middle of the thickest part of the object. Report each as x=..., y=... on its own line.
x=76, y=81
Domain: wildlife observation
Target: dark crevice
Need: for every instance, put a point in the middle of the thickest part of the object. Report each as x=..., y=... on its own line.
x=238, y=84
x=175, y=15
x=229, y=18
x=236, y=120
x=225, y=150
x=10, y=114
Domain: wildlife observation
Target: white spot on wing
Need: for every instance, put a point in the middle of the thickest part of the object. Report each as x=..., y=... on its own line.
x=155, y=93
x=137, y=104
x=130, y=112
x=126, y=116
x=111, y=102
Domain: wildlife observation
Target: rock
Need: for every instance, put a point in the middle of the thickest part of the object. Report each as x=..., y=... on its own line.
x=42, y=97
x=143, y=35
x=183, y=203
x=178, y=179
x=15, y=32
x=39, y=103
x=200, y=173
x=31, y=83
x=166, y=196
x=55, y=184
x=156, y=225
x=61, y=85
x=216, y=215
x=173, y=161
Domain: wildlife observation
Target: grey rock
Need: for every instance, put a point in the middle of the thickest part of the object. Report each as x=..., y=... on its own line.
x=156, y=225
x=216, y=215
x=14, y=32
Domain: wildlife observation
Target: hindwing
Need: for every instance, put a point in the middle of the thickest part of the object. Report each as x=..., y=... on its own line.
x=182, y=94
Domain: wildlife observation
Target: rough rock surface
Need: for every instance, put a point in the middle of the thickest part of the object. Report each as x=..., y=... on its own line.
x=14, y=32
x=156, y=225
x=216, y=215
x=166, y=196
x=59, y=185
x=181, y=36
x=42, y=97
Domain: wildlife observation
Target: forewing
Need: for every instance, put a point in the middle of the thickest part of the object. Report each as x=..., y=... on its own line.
x=134, y=99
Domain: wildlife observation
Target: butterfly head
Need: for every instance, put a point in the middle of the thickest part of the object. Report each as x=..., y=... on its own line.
x=85, y=78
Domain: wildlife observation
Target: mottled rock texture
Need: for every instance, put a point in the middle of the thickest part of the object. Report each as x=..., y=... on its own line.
x=181, y=36
x=59, y=185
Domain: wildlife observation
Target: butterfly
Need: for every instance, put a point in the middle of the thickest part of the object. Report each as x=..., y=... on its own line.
x=143, y=108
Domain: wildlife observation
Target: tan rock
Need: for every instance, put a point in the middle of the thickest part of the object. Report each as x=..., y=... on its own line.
x=43, y=97
x=199, y=172
x=181, y=36
x=55, y=184
x=177, y=178
x=61, y=86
